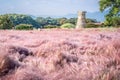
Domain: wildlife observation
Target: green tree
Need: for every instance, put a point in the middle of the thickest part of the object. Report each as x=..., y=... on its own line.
x=114, y=21
x=41, y=21
x=113, y=6
x=47, y=22
x=23, y=19
x=72, y=20
x=62, y=20
x=5, y=22
x=88, y=20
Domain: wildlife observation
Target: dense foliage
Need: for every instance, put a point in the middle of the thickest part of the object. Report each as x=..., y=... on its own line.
x=51, y=26
x=91, y=25
x=68, y=25
x=112, y=21
x=113, y=7
x=5, y=22
x=91, y=20
x=47, y=21
x=23, y=27
x=55, y=22
x=23, y=19
x=8, y=21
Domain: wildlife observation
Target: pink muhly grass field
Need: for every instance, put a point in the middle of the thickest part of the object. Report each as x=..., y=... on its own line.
x=60, y=54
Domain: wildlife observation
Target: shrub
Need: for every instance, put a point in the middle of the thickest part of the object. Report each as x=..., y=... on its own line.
x=92, y=25
x=68, y=25
x=50, y=26
x=24, y=27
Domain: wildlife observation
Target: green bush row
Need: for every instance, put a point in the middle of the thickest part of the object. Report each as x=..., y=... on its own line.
x=24, y=27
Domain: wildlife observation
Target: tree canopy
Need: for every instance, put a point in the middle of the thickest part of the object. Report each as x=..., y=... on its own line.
x=112, y=5
x=5, y=22
x=15, y=20
x=113, y=8
x=23, y=19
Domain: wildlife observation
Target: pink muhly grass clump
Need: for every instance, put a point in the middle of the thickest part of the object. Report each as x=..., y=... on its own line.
x=63, y=54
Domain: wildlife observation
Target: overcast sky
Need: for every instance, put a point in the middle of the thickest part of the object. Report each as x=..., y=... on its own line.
x=48, y=7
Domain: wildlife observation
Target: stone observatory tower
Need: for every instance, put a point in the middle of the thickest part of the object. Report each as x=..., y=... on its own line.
x=81, y=20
